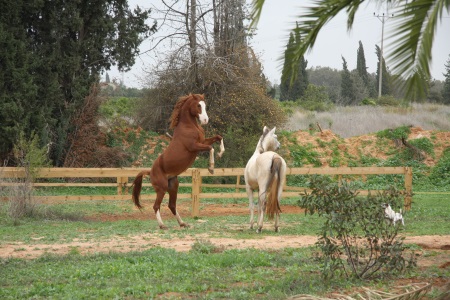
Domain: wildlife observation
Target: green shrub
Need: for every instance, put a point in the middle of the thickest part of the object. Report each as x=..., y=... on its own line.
x=440, y=174
x=424, y=144
x=388, y=100
x=29, y=156
x=302, y=155
x=355, y=240
x=315, y=99
x=369, y=101
x=393, y=134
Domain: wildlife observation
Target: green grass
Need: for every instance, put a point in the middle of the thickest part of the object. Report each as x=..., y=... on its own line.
x=202, y=273
x=233, y=274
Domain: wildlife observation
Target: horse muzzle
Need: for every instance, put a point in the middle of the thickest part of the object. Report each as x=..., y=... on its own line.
x=203, y=120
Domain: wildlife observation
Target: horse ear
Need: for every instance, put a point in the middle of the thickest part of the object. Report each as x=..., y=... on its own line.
x=265, y=130
x=273, y=130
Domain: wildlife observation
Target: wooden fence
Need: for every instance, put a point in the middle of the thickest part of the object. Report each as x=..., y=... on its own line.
x=123, y=175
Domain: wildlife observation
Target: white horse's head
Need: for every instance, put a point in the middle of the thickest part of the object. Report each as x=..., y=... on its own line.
x=268, y=140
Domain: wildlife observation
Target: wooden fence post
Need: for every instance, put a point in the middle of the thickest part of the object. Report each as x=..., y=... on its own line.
x=196, y=186
x=408, y=187
x=238, y=181
x=121, y=183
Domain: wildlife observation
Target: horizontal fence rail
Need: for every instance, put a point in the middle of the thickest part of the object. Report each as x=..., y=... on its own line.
x=10, y=175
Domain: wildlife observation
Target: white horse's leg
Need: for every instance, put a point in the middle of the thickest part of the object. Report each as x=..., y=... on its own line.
x=261, y=208
x=250, y=204
x=280, y=195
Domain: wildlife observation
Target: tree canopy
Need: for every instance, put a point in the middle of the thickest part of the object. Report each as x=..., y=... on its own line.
x=51, y=54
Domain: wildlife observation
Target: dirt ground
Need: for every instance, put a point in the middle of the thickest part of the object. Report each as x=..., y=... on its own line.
x=439, y=245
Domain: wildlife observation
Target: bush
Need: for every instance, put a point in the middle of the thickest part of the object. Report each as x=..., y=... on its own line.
x=440, y=174
x=315, y=99
x=395, y=134
x=369, y=101
x=355, y=240
x=388, y=101
x=29, y=156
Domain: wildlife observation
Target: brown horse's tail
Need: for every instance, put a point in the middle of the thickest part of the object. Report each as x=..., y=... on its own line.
x=137, y=186
x=274, y=185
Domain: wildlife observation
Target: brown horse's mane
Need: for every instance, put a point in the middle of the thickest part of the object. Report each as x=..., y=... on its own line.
x=177, y=109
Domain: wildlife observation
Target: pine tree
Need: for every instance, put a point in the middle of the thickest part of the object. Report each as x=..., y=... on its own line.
x=446, y=89
x=348, y=94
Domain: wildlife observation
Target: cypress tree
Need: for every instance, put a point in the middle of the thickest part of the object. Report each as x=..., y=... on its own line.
x=348, y=93
x=293, y=90
x=446, y=88
x=60, y=49
x=285, y=83
x=362, y=70
x=18, y=93
x=386, y=80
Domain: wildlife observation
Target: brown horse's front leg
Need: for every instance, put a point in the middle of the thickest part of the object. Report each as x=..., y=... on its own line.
x=211, y=161
x=212, y=140
x=211, y=152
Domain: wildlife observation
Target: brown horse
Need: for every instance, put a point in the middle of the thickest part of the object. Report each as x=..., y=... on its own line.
x=188, y=139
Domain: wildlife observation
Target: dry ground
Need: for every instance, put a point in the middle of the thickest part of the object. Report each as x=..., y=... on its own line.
x=438, y=244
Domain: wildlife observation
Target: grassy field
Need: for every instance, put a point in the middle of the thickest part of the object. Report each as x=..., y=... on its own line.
x=204, y=272
x=359, y=120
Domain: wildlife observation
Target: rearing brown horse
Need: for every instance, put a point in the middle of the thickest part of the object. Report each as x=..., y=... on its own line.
x=188, y=139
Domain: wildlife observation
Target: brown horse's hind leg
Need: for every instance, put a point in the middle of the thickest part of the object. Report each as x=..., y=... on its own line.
x=173, y=192
x=157, y=207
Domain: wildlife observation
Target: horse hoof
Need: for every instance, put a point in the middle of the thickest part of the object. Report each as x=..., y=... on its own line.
x=276, y=229
x=163, y=227
x=185, y=225
x=259, y=230
x=211, y=170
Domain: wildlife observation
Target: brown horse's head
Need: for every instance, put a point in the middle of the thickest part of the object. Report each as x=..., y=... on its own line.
x=194, y=104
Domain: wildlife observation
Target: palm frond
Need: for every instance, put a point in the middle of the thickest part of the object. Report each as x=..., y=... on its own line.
x=257, y=6
x=310, y=24
x=411, y=42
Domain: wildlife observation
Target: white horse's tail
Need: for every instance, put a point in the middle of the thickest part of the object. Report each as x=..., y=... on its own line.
x=273, y=186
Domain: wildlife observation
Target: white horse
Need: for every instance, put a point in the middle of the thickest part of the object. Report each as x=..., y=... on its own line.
x=266, y=172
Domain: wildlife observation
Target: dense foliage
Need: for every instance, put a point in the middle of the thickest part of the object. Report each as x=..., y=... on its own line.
x=446, y=88
x=293, y=89
x=52, y=53
x=356, y=239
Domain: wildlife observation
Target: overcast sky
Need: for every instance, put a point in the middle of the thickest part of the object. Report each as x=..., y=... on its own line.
x=278, y=18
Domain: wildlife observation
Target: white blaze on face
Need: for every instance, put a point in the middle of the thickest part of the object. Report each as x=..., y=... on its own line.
x=203, y=116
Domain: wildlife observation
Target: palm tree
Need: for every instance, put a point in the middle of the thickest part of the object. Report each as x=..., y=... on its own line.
x=411, y=39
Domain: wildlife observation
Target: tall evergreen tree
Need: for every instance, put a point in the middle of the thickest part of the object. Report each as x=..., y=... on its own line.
x=348, y=94
x=362, y=70
x=446, y=89
x=361, y=64
x=385, y=77
x=293, y=90
x=18, y=93
x=62, y=48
